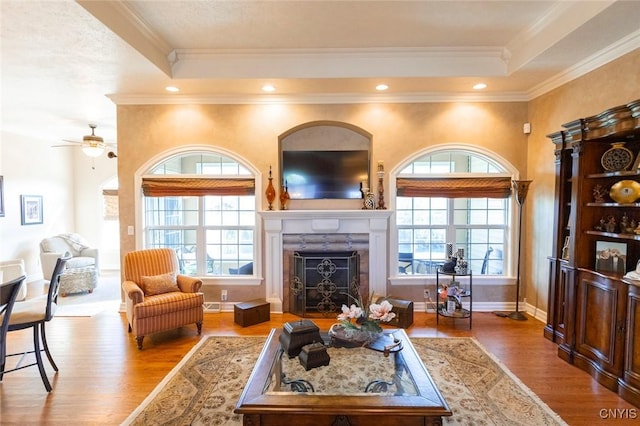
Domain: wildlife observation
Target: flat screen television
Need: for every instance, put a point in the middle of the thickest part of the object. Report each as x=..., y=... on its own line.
x=311, y=175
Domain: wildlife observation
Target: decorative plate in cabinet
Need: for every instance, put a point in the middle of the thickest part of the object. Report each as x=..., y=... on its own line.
x=616, y=158
x=625, y=191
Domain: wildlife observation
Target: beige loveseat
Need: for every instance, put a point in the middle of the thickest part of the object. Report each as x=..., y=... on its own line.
x=82, y=256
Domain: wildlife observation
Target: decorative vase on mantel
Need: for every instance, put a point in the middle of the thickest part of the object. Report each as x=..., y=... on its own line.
x=271, y=191
x=284, y=197
x=369, y=201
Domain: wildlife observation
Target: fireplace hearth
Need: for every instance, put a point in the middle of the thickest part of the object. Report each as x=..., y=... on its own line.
x=288, y=231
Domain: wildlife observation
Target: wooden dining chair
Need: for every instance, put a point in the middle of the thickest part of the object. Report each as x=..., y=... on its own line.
x=35, y=313
x=8, y=295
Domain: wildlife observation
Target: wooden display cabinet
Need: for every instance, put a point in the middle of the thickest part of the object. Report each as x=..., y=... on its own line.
x=560, y=271
x=630, y=381
x=593, y=310
x=599, y=327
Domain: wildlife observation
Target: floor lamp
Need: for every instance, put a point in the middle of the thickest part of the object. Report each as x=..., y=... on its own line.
x=521, y=187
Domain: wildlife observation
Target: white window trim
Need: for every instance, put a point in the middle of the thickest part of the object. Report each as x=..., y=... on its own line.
x=421, y=280
x=143, y=170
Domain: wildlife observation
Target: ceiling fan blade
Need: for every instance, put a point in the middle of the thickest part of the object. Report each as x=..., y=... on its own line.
x=65, y=146
x=69, y=141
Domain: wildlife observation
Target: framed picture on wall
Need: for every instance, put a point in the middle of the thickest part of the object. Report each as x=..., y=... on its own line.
x=31, y=209
x=611, y=257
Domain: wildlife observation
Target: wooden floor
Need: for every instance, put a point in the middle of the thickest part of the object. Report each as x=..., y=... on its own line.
x=103, y=377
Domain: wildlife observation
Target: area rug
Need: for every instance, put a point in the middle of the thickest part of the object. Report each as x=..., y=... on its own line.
x=205, y=386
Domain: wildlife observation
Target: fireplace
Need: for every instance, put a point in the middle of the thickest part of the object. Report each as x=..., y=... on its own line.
x=288, y=231
x=322, y=282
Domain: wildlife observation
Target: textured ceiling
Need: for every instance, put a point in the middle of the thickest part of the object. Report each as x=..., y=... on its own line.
x=66, y=64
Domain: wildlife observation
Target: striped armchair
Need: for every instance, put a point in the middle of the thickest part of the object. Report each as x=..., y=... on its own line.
x=157, y=298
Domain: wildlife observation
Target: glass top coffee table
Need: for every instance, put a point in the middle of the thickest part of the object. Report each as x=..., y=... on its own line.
x=359, y=386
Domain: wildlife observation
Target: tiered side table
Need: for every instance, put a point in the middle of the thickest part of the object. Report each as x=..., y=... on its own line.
x=465, y=288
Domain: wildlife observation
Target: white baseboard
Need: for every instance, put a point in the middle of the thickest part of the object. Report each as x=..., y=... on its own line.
x=538, y=314
x=535, y=312
x=428, y=307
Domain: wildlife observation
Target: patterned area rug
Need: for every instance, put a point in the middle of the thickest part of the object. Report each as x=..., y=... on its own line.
x=205, y=386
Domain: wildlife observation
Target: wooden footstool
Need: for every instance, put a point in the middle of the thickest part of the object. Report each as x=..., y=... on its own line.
x=78, y=280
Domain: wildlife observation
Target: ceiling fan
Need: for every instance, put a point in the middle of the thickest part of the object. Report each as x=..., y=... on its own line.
x=92, y=145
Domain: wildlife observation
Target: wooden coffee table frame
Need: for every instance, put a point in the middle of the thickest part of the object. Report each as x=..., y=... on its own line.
x=270, y=409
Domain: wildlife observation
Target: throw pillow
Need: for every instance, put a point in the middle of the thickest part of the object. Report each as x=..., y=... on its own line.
x=158, y=284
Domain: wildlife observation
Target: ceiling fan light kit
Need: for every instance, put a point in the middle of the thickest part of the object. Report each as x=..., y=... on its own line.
x=92, y=149
x=92, y=145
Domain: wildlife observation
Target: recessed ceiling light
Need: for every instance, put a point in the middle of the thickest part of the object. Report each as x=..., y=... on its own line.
x=382, y=87
x=268, y=88
x=479, y=86
x=171, y=89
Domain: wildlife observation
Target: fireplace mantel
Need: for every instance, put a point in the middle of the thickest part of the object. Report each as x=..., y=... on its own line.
x=277, y=223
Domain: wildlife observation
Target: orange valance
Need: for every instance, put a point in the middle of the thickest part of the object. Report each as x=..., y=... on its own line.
x=481, y=187
x=196, y=187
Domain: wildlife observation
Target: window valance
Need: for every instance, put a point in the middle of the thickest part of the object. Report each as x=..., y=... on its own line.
x=110, y=197
x=177, y=186
x=477, y=187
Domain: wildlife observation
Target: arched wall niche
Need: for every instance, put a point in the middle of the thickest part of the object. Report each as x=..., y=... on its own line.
x=317, y=134
x=326, y=135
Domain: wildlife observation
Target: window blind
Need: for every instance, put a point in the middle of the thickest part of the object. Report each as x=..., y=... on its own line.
x=175, y=187
x=479, y=187
x=110, y=197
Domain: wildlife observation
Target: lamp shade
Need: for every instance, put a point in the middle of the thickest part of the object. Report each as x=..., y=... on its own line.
x=93, y=150
x=521, y=188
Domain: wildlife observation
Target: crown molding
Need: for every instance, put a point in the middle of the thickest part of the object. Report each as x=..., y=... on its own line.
x=613, y=52
x=339, y=63
x=120, y=18
x=335, y=98
x=621, y=47
x=551, y=28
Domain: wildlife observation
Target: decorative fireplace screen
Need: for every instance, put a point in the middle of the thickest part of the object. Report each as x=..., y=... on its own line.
x=322, y=280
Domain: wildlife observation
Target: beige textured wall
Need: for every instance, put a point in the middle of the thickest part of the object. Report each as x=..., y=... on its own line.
x=611, y=85
x=251, y=132
x=399, y=131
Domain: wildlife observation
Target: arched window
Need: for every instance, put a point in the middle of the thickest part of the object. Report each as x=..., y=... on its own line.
x=452, y=196
x=202, y=204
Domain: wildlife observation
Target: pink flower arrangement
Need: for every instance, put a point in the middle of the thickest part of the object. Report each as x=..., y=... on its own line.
x=356, y=317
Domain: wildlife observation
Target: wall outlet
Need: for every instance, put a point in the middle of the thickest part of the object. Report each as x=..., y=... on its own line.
x=426, y=293
x=223, y=295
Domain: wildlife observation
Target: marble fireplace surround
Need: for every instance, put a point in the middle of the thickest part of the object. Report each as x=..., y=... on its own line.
x=330, y=230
